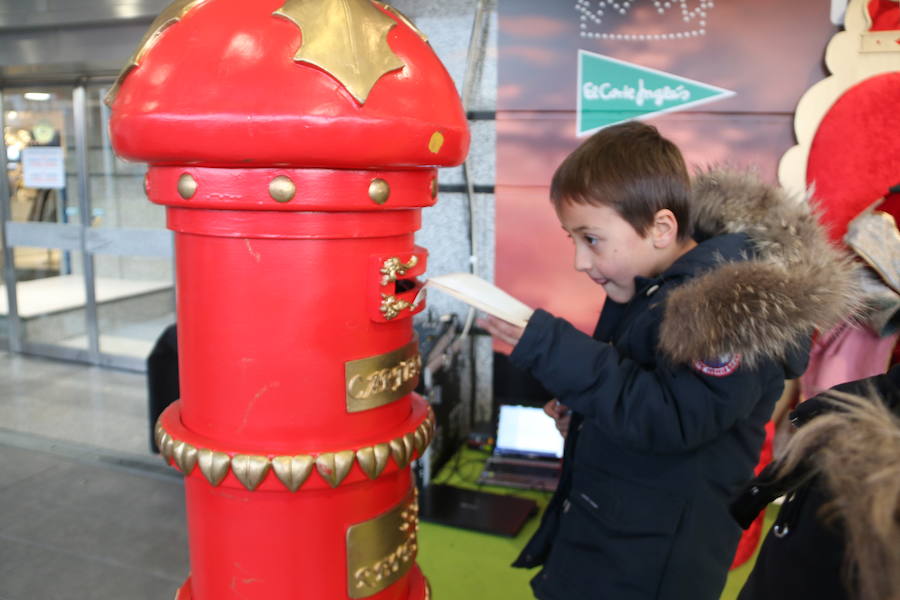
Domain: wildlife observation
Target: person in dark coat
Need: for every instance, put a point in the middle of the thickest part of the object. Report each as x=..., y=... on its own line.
x=713, y=289
x=837, y=535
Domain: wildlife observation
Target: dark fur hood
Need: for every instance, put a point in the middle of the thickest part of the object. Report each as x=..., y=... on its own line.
x=796, y=282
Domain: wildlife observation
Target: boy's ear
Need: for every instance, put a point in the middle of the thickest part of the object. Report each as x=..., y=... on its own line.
x=664, y=230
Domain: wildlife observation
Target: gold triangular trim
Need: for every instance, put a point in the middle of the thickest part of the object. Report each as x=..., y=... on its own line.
x=293, y=471
x=366, y=459
x=214, y=465
x=382, y=454
x=399, y=452
x=250, y=469
x=185, y=457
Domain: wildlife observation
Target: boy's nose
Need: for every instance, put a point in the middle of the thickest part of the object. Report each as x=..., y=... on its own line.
x=582, y=259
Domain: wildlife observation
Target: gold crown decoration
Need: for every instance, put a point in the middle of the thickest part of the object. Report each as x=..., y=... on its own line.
x=667, y=19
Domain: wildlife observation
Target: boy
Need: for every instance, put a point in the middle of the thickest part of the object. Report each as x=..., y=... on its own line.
x=712, y=294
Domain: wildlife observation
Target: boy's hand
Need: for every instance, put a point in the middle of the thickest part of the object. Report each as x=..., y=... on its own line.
x=501, y=330
x=559, y=413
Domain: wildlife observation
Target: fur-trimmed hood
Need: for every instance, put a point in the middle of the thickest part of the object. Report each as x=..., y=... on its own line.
x=765, y=306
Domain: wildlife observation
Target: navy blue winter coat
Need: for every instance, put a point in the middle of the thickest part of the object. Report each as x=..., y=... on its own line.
x=670, y=397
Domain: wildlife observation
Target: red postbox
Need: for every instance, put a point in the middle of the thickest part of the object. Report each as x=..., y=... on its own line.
x=294, y=143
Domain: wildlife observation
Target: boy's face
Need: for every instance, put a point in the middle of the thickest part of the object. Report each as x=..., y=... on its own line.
x=607, y=248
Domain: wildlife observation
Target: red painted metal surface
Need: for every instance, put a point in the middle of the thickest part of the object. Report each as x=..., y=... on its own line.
x=279, y=287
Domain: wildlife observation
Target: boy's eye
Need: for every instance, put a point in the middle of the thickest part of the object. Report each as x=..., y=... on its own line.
x=591, y=240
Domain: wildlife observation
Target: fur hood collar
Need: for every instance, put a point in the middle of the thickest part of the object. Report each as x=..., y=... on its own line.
x=795, y=282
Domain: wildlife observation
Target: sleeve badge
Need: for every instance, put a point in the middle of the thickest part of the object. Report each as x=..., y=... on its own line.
x=722, y=366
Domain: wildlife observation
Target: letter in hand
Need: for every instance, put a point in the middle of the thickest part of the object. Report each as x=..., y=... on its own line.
x=561, y=414
x=501, y=330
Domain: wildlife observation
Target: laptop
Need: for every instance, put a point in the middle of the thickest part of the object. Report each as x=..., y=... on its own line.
x=473, y=509
x=528, y=451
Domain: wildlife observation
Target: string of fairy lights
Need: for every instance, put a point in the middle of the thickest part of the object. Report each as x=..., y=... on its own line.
x=593, y=12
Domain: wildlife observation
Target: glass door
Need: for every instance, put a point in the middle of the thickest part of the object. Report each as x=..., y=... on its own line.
x=44, y=299
x=87, y=260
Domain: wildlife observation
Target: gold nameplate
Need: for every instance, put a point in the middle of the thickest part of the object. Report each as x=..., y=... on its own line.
x=379, y=380
x=381, y=551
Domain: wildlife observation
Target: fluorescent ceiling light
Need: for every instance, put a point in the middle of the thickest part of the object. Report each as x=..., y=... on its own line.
x=39, y=96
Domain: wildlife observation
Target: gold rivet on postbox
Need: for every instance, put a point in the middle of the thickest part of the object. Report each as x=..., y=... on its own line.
x=282, y=189
x=434, y=187
x=379, y=191
x=187, y=186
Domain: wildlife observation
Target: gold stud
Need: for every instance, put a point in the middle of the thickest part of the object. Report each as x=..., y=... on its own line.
x=436, y=141
x=250, y=470
x=187, y=186
x=292, y=471
x=434, y=187
x=334, y=466
x=282, y=189
x=379, y=191
x=398, y=450
x=185, y=457
x=213, y=465
x=382, y=453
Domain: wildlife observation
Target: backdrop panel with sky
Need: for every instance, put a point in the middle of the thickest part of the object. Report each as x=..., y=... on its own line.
x=734, y=71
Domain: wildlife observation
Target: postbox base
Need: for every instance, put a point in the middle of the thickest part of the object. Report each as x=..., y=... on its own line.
x=418, y=588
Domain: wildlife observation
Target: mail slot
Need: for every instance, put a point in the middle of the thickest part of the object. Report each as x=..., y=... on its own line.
x=294, y=145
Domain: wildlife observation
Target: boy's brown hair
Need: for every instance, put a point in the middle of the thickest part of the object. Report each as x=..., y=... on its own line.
x=631, y=168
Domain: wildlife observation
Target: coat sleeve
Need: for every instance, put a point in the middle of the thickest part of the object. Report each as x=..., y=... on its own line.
x=668, y=409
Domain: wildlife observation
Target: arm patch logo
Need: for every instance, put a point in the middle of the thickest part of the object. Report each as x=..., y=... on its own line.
x=723, y=366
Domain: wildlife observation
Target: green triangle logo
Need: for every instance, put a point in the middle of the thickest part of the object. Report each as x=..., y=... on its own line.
x=611, y=91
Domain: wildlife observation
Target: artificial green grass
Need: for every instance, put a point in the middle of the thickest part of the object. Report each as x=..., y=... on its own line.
x=466, y=565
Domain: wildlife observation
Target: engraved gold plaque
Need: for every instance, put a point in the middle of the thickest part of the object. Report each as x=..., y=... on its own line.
x=380, y=551
x=379, y=380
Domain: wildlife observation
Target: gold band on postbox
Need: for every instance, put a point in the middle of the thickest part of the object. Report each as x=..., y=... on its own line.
x=378, y=380
x=380, y=551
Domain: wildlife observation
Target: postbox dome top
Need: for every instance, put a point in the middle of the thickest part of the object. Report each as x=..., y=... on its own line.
x=341, y=84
